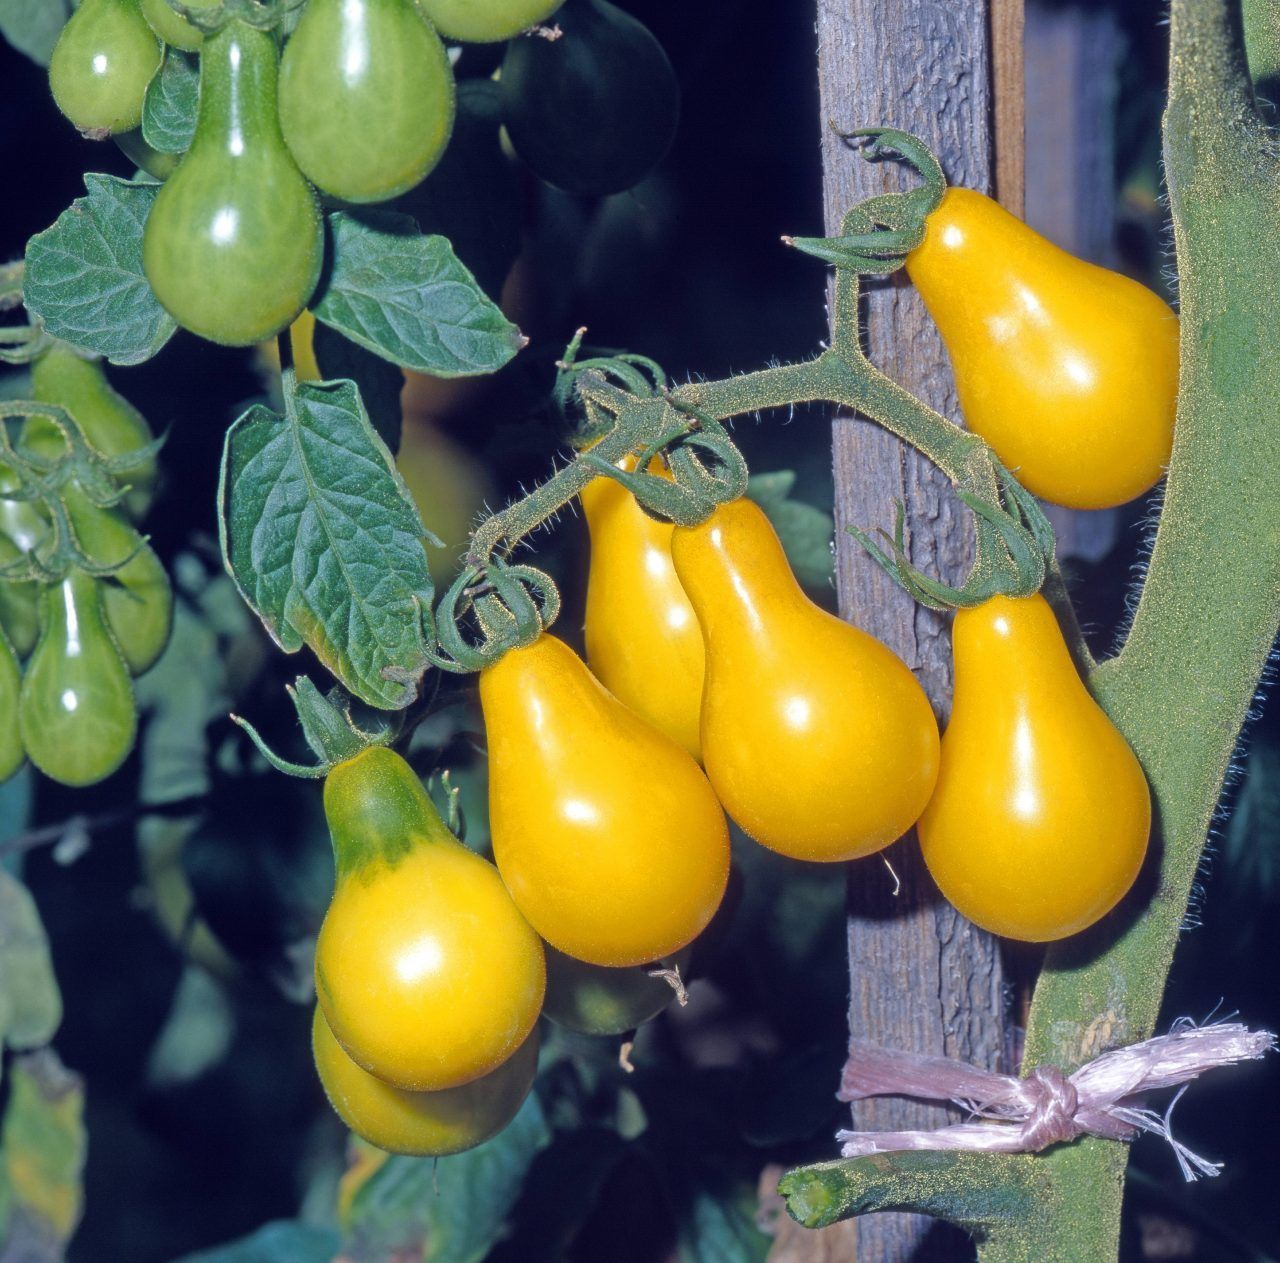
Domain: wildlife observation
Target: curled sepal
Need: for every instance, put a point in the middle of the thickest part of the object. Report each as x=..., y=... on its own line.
x=637, y=374
x=1015, y=546
x=265, y=15
x=329, y=728
x=490, y=609
x=891, y=225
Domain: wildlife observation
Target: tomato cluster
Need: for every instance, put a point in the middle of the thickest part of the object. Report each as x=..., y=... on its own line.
x=358, y=108
x=87, y=627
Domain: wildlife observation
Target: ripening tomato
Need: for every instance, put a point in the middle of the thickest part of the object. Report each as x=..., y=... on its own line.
x=820, y=743
x=76, y=711
x=1040, y=820
x=18, y=619
x=1068, y=370
x=427, y=973
x=643, y=640
x=424, y=1124
x=595, y=1000
x=366, y=97
x=101, y=65
x=606, y=832
x=486, y=21
x=233, y=244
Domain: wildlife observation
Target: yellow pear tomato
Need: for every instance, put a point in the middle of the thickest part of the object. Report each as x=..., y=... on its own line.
x=1068, y=370
x=606, y=832
x=643, y=640
x=1040, y=820
x=427, y=973
x=819, y=742
x=424, y=1124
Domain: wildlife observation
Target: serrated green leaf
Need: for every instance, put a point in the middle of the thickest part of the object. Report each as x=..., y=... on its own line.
x=30, y=1006
x=380, y=382
x=33, y=26
x=406, y=297
x=324, y=541
x=805, y=531
x=451, y=1211
x=84, y=278
x=169, y=109
x=285, y=1241
x=42, y=1147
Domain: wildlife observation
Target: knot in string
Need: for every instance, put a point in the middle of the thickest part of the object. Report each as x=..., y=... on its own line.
x=1054, y=1100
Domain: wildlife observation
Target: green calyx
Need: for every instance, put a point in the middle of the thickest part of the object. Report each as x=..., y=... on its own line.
x=329, y=729
x=893, y=224
x=264, y=15
x=378, y=811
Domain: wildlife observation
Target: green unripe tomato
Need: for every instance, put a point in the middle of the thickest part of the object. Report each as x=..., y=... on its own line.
x=486, y=21
x=106, y=418
x=173, y=29
x=12, y=755
x=18, y=620
x=594, y=111
x=596, y=1000
x=233, y=244
x=101, y=66
x=160, y=166
x=366, y=97
x=76, y=712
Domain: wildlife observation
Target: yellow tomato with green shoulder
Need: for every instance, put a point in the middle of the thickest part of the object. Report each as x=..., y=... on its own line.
x=427, y=973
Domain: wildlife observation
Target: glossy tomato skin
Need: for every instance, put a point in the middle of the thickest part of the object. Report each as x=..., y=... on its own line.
x=596, y=110
x=1068, y=370
x=172, y=28
x=643, y=640
x=422, y=1124
x=594, y=1000
x=366, y=97
x=107, y=419
x=233, y=245
x=76, y=710
x=101, y=66
x=606, y=832
x=1040, y=821
x=486, y=21
x=12, y=754
x=819, y=741
x=427, y=973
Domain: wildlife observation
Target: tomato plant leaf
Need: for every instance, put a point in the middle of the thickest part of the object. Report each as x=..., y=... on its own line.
x=42, y=1147
x=720, y=1229
x=30, y=1006
x=84, y=278
x=33, y=26
x=380, y=382
x=406, y=297
x=324, y=542
x=285, y=1241
x=169, y=109
x=805, y=531
x=398, y=1212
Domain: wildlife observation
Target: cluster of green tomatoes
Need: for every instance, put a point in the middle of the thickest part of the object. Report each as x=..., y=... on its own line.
x=358, y=107
x=96, y=609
